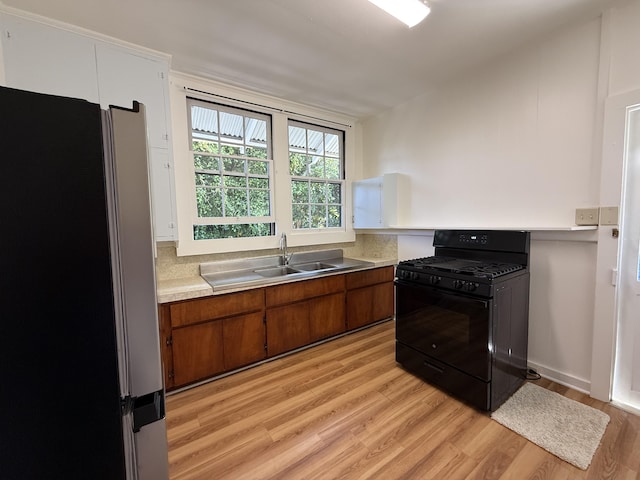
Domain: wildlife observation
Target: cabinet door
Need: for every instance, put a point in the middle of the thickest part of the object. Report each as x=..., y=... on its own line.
x=287, y=327
x=327, y=316
x=197, y=352
x=164, y=320
x=163, y=201
x=124, y=76
x=244, y=340
x=369, y=304
x=49, y=60
x=367, y=203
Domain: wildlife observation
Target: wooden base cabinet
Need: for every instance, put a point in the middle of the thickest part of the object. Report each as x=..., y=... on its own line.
x=205, y=337
x=304, y=312
x=370, y=296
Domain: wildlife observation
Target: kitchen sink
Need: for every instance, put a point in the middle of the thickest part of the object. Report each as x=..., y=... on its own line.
x=310, y=267
x=270, y=270
x=276, y=271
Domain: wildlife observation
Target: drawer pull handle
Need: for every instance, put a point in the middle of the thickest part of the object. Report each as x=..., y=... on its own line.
x=433, y=367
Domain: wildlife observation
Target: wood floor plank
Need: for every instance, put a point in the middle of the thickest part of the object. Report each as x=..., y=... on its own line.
x=345, y=410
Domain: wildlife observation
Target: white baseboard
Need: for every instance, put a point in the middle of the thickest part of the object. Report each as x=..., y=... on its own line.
x=570, y=381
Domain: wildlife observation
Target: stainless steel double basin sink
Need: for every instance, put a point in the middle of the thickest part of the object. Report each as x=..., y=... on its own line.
x=273, y=269
x=281, y=270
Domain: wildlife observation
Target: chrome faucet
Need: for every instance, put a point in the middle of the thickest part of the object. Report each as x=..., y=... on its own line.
x=283, y=249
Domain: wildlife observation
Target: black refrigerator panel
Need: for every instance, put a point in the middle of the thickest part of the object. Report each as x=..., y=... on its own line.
x=60, y=402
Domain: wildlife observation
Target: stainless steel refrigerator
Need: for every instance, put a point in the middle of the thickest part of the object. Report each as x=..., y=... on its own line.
x=82, y=393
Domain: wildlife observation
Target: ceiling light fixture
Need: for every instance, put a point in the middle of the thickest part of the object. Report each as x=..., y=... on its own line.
x=410, y=12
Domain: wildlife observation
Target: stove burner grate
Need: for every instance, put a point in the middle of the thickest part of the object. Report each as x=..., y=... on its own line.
x=473, y=268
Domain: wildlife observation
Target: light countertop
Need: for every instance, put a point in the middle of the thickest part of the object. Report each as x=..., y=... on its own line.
x=173, y=290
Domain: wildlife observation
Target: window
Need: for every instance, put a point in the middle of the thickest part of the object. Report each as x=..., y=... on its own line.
x=249, y=168
x=232, y=159
x=316, y=166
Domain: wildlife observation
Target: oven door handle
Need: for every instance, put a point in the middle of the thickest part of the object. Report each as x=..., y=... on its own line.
x=443, y=292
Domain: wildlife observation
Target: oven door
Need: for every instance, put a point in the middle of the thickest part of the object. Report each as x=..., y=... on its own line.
x=450, y=327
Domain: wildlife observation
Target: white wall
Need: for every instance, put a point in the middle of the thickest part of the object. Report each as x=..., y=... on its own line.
x=513, y=145
x=624, y=37
x=500, y=135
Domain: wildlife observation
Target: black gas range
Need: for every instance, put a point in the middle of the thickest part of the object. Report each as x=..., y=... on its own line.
x=456, y=274
x=462, y=314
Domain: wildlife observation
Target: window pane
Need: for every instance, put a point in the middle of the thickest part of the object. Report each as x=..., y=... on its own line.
x=232, y=181
x=257, y=168
x=231, y=125
x=206, y=180
x=206, y=162
x=297, y=139
x=334, y=193
x=318, y=216
x=255, y=152
x=206, y=232
x=297, y=164
x=300, y=216
x=255, y=132
x=209, y=201
x=299, y=191
x=316, y=142
x=204, y=119
x=318, y=192
x=316, y=167
x=233, y=165
x=235, y=203
x=204, y=146
x=335, y=216
x=332, y=168
x=331, y=145
x=259, y=203
x=258, y=183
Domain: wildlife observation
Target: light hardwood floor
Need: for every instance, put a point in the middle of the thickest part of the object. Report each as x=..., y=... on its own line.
x=344, y=409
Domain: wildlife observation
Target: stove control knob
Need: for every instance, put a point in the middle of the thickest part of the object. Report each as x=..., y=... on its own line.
x=458, y=284
x=434, y=279
x=414, y=276
x=470, y=286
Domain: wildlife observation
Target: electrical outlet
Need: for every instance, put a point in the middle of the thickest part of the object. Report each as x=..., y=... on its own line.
x=608, y=215
x=587, y=216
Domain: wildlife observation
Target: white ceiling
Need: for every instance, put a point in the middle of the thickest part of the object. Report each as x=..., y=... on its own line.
x=343, y=55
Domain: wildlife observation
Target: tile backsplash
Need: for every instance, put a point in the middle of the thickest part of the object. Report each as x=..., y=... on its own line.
x=169, y=266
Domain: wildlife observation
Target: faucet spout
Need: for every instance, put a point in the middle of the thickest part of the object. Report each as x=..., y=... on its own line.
x=283, y=249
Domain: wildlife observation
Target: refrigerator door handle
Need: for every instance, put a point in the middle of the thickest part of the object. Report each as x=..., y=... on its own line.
x=147, y=409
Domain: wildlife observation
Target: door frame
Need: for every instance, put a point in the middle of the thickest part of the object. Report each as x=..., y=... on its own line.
x=606, y=294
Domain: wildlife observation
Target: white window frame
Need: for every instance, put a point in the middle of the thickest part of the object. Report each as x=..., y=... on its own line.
x=311, y=179
x=183, y=86
x=227, y=220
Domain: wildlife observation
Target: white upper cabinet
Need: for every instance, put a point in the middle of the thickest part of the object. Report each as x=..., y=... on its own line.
x=124, y=76
x=47, y=59
x=380, y=202
x=50, y=60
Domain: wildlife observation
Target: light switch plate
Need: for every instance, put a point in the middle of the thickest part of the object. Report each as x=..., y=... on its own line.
x=587, y=216
x=608, y=215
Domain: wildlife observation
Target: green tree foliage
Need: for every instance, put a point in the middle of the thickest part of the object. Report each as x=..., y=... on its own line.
x=229, y=183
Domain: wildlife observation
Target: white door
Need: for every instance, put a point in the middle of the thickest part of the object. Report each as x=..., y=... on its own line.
x=626, y=382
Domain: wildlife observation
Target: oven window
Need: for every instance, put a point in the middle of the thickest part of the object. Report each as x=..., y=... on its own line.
x=451, y=328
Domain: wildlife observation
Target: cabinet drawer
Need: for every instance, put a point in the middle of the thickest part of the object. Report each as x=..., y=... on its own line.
x=369, y=277
x=296, y=291
x=220, y=306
